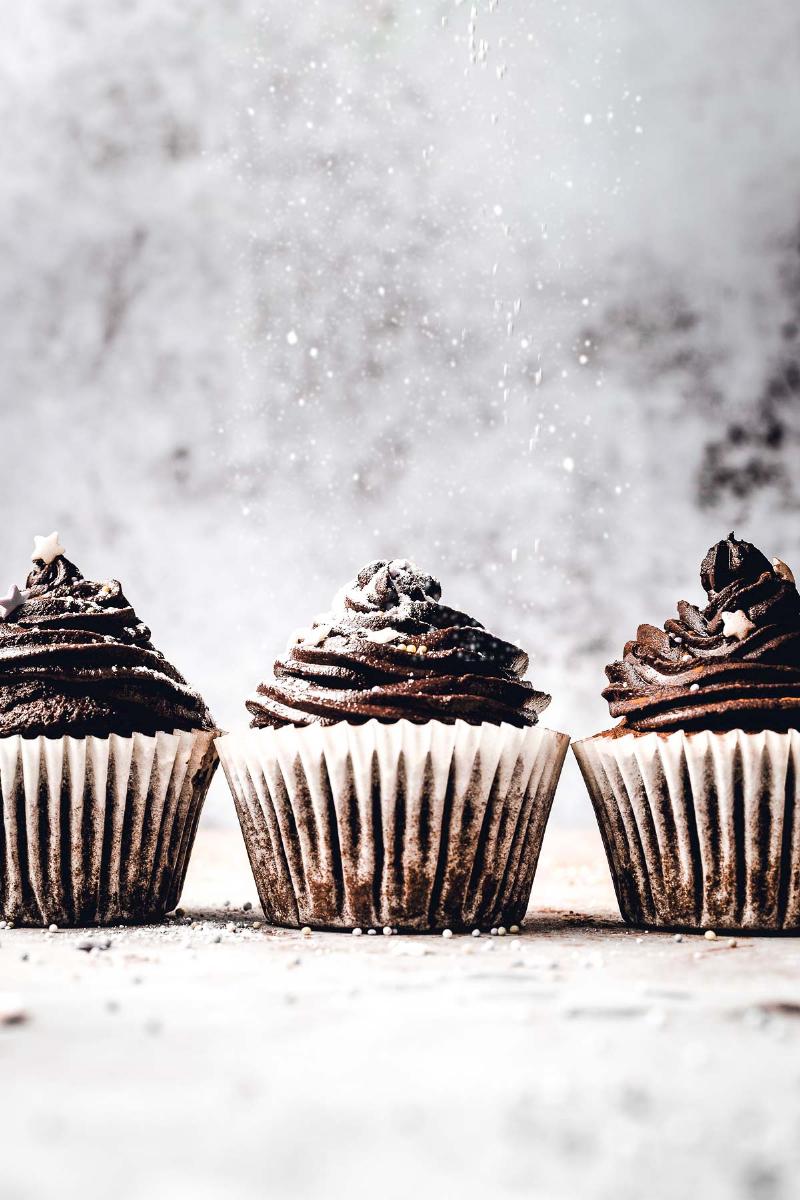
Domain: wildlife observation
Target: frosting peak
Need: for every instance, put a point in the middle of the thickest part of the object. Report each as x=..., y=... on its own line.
x=385, y=584
x=735, y=664
x=389, y=649
x=731, y=561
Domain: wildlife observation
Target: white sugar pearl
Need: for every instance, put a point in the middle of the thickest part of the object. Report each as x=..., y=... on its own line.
x=357, y=932
x=447, y=933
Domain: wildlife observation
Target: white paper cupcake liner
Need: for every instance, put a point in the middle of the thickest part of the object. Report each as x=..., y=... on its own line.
x=419, y=827
x=701, y=830
x=98, y=831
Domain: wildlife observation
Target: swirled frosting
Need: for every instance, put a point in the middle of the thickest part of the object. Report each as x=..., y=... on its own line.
x=389, y=649
x=734, y=664
x=75, y=660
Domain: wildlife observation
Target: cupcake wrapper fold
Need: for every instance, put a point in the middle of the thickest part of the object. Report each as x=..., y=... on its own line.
x=701, y=830
x=98, y=831
x=420, y=827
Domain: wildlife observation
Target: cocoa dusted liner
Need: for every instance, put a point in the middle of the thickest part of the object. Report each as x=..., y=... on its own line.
x=700, y=829
x=427, y=826
x=99, y=831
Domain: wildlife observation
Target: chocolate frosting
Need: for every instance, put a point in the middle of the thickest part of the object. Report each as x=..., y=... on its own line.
x=734, y=664
x=75, y=660
x=389, y=649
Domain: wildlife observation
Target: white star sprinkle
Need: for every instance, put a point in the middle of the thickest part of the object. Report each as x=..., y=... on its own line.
x=736, y=625
x=780, y=568
x=11, y=601
x=46, y=549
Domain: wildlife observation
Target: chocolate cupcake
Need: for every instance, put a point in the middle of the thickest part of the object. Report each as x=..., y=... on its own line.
x=394, y=774
x=106, y=755
x=695, y=790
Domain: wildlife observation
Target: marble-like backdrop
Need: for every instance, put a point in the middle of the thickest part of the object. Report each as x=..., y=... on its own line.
x=512, y=289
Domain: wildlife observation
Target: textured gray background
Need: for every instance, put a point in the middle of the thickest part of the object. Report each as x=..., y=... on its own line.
x=511, y=289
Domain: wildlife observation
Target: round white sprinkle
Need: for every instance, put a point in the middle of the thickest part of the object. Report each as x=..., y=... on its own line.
x=12, y=1009
x=476, y=933
x=732, y=942
x=710, y=936
x=305, y=931
x=52, y=929
x=447, y=933
x=694, y=687
x=357, y=932
x=372, y=932
x=493, y=932
x=501, y=932
x=387, y=931
x=678, y=937
x=514, y=929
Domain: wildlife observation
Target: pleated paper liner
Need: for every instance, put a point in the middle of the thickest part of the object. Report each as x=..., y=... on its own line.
x=701, y=830
x=98, y=831
x=418, y=827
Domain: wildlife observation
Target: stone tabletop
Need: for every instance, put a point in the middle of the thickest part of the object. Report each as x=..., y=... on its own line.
x=216, y=1057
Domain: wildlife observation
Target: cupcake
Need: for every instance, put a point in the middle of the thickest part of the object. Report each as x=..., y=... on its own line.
x=106, y=755
x=394, y=774
x=696, y=789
